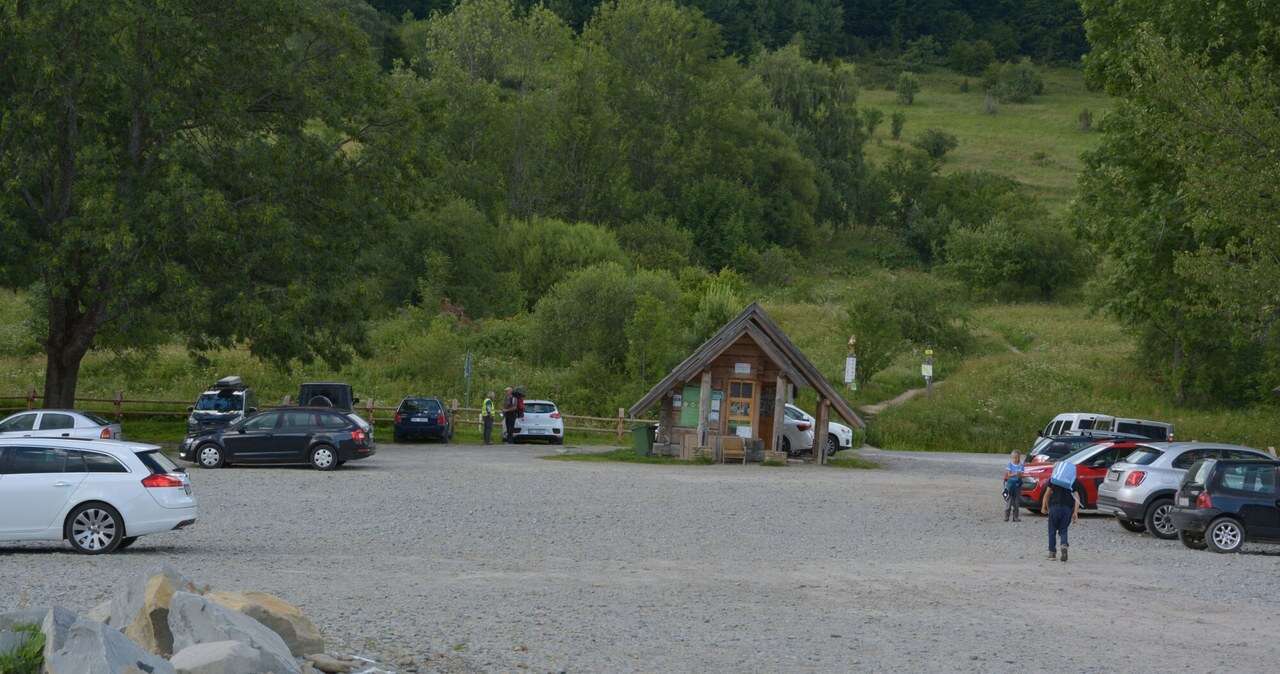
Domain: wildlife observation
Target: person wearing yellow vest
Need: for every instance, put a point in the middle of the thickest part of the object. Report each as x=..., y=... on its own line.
x=486, y=418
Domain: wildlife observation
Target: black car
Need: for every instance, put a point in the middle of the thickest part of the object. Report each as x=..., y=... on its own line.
x=1222, y=503
x=327, y=394
x=323, y=437
x=422, y=418
x=1050, y=448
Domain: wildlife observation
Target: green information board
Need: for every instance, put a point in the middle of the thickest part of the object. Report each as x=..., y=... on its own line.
x=689, y=406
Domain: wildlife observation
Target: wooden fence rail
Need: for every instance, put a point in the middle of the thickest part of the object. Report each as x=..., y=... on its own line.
x=119, y=408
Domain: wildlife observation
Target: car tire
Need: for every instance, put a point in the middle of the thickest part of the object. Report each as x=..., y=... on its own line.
x=1131, y=525
x=1224, y=535
x=210, y=456
x=94, y=528
x=1193, y=542
x=1157, y=519
x=833, y=444
x=127, y=541
x=324, y=457
x=786, y=445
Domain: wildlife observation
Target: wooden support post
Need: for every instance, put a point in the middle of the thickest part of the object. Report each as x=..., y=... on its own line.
x=779, y=412
x=31, y=399
x=704, y=408
x=667, y=418
x=820, y=432
x=369, y=406
x=622, y=415
x=118, y=403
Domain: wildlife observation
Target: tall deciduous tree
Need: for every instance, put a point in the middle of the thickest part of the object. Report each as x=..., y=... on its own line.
x=190, y=168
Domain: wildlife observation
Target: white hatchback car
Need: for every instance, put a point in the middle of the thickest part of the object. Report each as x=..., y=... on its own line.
x=59, y=424
x=541, y=421
x=98, y=495
x=839, y=436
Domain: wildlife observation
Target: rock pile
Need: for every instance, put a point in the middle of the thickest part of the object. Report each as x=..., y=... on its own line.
x=163, y=623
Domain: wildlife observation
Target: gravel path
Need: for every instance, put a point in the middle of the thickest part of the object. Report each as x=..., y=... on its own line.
x=494, y=560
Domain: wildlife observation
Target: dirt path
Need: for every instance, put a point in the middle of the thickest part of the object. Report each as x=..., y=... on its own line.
x=876, y=408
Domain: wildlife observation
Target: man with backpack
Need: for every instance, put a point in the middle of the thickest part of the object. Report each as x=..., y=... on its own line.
x=1062, y=505
x=510, y=408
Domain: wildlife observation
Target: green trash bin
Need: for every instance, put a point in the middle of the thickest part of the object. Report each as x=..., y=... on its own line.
x=642, y=436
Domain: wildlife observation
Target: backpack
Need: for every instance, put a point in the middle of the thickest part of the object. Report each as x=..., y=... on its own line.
x=1064, y=475
x=519, y=404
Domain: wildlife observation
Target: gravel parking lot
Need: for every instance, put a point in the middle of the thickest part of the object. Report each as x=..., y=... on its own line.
x=490, y=559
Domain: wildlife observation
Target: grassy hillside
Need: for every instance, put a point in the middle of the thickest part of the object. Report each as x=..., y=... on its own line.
x=1037, y=143
x=1069, y=362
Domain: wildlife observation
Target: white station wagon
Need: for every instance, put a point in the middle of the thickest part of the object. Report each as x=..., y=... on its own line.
x=98, y=495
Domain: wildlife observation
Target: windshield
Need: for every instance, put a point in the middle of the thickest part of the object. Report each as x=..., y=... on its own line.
x=411, y=405
x=539, y=408
x=1144, y=456
x=221, y=401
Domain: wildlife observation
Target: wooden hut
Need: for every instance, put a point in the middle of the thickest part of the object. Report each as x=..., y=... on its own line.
x=727, y=398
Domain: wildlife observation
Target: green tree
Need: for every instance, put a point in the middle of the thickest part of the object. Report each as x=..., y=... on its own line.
x=907, y=87
x=654, y=340
x=1014, y=260
x=936, y=143
x=970, y=58
x=872, y=322
x=541, y=252
x=896, y=121
x=1013, y=82
x=192, y=169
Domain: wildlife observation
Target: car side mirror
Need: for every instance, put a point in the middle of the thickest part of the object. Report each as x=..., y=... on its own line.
x=253, y=410
x=191, y=408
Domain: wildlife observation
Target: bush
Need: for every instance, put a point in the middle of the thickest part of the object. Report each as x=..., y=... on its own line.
x=1013, y=82
x=971, y=58
x=871, y=118
x=542, y=251
x=895, y=124
x=1015, y=259
x=908, y=86
x=936, y=143
x=1085, y=120
x=921, y=54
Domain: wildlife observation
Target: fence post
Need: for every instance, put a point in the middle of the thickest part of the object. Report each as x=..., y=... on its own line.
x=369, y=406
x=31, y=399
x=622, y=415
x=118, y=403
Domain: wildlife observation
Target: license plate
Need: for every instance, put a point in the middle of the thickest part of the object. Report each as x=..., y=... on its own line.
x=1113, y=475
x=1184, y=501
x=421, y=420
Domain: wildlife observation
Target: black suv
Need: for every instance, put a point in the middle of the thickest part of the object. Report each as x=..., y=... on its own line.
x=1222, y=503
x=323, y=437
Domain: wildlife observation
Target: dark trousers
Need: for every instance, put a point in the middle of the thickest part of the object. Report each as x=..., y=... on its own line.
x=488, y=429
x=1013, y=506
x=1059, y=522
x=510, y=419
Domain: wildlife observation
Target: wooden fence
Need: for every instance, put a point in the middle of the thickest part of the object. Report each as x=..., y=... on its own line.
x=120, y=407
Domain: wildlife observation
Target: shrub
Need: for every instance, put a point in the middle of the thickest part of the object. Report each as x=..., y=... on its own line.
x=895, y=124
x=936, y=143
x=873, y=323
x=908, y=87
x=1085, y=120
x=1013, y=259
x=970, y=58
x=871, y=118
x=542, y=251
x=1013, y=82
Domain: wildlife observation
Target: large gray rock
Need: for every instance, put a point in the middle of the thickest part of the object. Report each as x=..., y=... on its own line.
x=77, y=646
x=220, y=657
x=196, y=620
x=141, y=609
x=30, y=616
x=285, y=619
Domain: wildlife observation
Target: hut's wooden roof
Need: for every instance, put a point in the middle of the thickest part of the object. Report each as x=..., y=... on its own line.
x=754, y=322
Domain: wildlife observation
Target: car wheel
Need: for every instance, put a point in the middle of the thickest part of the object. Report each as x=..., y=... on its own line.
x=1158, y=519
x=94, y=529
x=1131, y=525
x=209, y=456
x=127, y=541
x=1224, y=535
x=833, y=444
x=1193, y=542
x=786, y=444
x=324, y=457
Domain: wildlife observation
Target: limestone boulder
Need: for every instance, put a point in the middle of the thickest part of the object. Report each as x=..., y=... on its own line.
x=141, y=609
x=220, y=657
x=285, y=619
x=74, y=645
x=196, y=620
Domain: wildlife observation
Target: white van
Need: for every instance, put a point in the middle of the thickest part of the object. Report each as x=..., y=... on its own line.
x=1075, y=422
x=1155, y=430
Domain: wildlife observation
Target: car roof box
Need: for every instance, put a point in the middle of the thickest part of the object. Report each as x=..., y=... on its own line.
x=232, y=382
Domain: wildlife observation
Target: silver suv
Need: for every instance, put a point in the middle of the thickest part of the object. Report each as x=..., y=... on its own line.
x=1139, y=491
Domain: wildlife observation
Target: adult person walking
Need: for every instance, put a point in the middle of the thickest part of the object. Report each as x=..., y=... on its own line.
x=486, y=418
x=1062, y=505
x=509, y=407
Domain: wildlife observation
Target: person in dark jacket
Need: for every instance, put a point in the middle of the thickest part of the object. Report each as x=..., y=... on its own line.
x=1062, y=505
x=509, y=409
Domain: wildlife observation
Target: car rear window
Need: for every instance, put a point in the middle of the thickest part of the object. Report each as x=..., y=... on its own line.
x=539, y=408
x=1145, y=430
x=95, y=418
x=157, y=462
x=1144, y=456
x=427, y=405
x=1257, y=478
x=334, y=421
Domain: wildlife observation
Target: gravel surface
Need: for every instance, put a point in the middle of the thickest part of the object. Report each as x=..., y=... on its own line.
x=494, y=560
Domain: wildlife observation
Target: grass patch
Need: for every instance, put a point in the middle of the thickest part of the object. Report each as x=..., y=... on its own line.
x=624, y=455
x=27, y=658
x=1037, y=143
x=1071, y=361
x=853, y=462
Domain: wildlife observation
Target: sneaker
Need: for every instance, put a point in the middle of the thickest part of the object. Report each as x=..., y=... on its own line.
x=1064, y=553
x=1006, y=517
x=1053, y=554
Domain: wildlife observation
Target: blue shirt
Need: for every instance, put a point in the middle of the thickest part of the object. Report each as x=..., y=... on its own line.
x=1015, y=471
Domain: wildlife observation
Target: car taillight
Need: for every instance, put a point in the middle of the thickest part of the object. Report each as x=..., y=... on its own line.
x=1134, y=478
x=803, y=425
x=358, y=436
x=106, y=433
x=1203, y=500
x=555, y=415
x=440, y=421
x=399, y=417
x=161, y=481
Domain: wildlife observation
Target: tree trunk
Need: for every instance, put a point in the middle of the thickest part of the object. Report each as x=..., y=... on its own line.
x=72, y=329
x=61, y=374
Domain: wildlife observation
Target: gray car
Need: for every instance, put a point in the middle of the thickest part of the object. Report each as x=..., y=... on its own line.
x=1139, y=491
x=74, y=424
